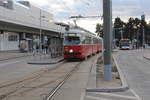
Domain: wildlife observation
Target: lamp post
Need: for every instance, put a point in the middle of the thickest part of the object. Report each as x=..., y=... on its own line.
x=122, y=31
x=138, y=26
x=40, y=38
x=143, y=19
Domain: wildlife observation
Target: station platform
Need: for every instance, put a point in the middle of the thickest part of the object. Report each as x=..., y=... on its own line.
x=34, y=59
x=42, y=59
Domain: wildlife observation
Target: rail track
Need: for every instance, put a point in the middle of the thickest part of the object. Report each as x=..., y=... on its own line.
x=67, y=76
x=19, y=87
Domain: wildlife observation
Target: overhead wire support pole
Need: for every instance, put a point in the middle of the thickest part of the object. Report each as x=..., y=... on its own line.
x=107, y=12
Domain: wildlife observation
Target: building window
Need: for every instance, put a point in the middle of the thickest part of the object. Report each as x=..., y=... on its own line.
x=13, y=38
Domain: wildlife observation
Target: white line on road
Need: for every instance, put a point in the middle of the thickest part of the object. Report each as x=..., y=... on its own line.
x=135, y=94
x=82, y=96
x=9, y=63
x=96, y=98
x=111, y=95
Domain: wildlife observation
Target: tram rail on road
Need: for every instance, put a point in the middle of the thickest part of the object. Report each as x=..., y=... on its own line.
x=16, y=87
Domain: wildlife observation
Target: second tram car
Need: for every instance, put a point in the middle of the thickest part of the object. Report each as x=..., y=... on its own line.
x=79, y=44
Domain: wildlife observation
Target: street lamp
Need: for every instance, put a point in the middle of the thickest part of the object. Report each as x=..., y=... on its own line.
x=40, y=38
x=143, y=19
x=122, y=31
x=135, y=28
x=136, y=35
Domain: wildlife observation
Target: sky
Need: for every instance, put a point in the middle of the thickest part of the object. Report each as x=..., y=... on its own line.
x=63, y=9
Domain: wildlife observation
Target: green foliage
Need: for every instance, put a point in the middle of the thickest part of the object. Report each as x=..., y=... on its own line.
x=99, y=30
x=118, y=25
x=133, y=29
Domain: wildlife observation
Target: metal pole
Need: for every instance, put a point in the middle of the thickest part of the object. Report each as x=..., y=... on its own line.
x=40, y=32
x=137, y=37
x=107, y=11
x=113, y=40
x=143, y=37
x=122, y=33
x=143, y=19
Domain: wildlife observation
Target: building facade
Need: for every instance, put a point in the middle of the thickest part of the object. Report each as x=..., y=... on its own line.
x=21, y=22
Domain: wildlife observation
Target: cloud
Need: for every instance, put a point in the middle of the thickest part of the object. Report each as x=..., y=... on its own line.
x=63, y=9
x=130, y=8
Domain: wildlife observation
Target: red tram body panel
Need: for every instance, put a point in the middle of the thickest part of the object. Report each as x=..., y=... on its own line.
x=80, y=44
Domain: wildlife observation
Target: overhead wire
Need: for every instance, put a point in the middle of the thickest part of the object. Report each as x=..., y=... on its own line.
x=65, y=6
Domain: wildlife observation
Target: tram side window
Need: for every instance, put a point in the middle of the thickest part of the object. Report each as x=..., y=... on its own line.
x=83, y=42
x=100, y=41
x=88, y=40
x=94, y=40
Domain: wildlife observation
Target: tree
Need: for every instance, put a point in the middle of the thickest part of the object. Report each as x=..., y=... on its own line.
x=99, y=30
x=118, y=27
x=144, y=26
x=133, y=29
x=148, y=34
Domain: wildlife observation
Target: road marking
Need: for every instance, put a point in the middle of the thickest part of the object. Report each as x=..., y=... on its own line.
x=82, y=96
x=116, y=96
x=5, y=64
x=135, y=94
x=96, y=98
x=122, y=75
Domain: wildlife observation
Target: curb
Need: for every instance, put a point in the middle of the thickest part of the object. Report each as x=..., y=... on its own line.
x=146, y=57
x=124, y=86
x=121, y=89
x=47, y=63
x=14, y=57
x=114, y=51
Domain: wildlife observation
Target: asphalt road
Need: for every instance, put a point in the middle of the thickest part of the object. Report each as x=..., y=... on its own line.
x=14, y=69
x=136, y=70
x=39, y=87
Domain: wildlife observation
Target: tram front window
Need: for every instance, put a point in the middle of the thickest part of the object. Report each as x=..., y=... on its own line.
x=72, y=40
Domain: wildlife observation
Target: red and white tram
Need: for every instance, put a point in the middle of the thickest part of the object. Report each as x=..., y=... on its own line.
x=79, y=44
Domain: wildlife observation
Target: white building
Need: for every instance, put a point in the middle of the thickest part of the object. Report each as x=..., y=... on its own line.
x=21, y=20
x=9, y=41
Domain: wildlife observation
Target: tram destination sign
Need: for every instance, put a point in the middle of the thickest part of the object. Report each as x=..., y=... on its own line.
x=71, y=34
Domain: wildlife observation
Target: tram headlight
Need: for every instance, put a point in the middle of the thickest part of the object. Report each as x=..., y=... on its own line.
x=71, y=51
